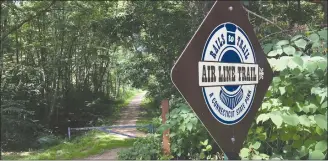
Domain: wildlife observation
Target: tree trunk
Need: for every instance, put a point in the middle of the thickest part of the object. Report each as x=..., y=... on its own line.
x=325, y=6
x=118, y=87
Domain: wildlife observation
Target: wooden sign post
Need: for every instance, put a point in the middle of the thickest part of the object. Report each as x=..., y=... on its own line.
x=166, y=138
x=223, y=74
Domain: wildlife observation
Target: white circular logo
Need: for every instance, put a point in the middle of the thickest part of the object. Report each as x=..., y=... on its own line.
x=228, y=73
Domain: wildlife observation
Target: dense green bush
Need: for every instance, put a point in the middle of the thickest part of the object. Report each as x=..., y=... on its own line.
x=186, y=131
x=46, y=141
x=148, y=148
x=292, y=122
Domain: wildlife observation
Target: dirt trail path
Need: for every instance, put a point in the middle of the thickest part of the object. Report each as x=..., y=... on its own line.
x=129, y=116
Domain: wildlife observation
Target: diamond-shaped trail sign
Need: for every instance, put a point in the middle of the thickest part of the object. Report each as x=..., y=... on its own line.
x=223, y=74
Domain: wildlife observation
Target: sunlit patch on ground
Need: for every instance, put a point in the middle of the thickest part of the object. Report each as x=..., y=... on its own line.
x=90, y=144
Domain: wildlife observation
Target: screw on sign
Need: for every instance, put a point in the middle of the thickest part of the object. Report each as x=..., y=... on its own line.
x=223, y=74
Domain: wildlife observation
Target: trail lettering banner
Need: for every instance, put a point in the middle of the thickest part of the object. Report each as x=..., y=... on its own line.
x=223, y=74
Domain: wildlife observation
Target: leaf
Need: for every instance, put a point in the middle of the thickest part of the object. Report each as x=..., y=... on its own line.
x=262, y=136
x=309, y=143
x=297, y=144
x=256, y=157
x=298, y=60
x=256, y=145
x=262, y=117
x=189, y=126
x=323, y=34
x=322, y=64
x=321, y=146
x=296, y=37
x=319, y=130
x=282, y=63
x=266, y=105
x=321, y=92
x=208, y=148
x=172, y=134
x=244, y=153
x=267, y=48
x=298, y=53
x=182, y=127
x=296, y=137
x=314, y=37
x=303, y=151
x=264, y=156
x=282, y=42
x=272, y=63
x=282, y=90
x=289, y=50
x=320, y=61
x=315, y=45
x=317, y=155
x=205, y=142
x=202, y=155
x=272, y=53
x=259, y=129
x=324, y=105
x=304, y=120
x=276, y=118
x=289, y=89
x=301, y=43
x=291, y=119
x=285, y=136
x=309, y=107
x=321, y=121
x=279, y=51
x=310, y=65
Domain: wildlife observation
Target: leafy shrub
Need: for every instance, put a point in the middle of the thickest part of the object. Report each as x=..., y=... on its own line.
x=186, y=132
x=47, y=141
x=292, y=122
x=148, y=148
x=18, y=126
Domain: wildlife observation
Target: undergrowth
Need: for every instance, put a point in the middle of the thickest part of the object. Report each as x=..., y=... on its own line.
x=150, y=114
x=80, y=146
x=94, y=142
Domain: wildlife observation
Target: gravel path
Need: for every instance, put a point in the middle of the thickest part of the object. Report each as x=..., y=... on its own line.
x=129, y=116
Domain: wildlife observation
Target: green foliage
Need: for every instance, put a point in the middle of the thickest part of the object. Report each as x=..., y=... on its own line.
x=64, y=66
x=293, y=117
x=167, y=28
x=47, y=141
x=206, y=152
x=149, y=148
x=252, y=152
x=17, y=122
x=186, y=132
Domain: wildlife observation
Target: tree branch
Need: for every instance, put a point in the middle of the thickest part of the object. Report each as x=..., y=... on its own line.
x=279, y=32
x=265, y=19
x=27, y=20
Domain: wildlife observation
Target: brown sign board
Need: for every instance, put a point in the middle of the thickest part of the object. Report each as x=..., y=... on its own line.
x=223, y=74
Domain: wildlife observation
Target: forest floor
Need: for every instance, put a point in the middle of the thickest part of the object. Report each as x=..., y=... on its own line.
x=129, y=117
x=94, y=144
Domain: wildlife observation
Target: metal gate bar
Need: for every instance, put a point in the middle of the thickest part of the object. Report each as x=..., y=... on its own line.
x=108, y=131
x=105, y=129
